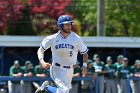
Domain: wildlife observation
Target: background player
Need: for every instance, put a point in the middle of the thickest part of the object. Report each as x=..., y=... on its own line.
x=99, y=72
x=123, y=73
x=111, y=86
x=65, y=46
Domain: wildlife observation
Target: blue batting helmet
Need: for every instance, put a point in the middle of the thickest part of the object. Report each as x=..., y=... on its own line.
x=63, y=19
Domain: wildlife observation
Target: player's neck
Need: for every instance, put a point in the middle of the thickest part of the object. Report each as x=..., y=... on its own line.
x=64, y=34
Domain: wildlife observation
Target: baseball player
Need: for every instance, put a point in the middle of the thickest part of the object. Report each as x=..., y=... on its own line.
x=28, y=71
x=136, y=73
x=89, y=85
x=119, y=61
x=111, y=86
x=65, y=46
x=99, y=72
x=123, y=73
x=15, y=71
x=117, y=65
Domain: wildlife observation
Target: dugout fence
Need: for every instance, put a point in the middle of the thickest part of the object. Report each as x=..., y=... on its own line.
x=116, y=45
x=7, y=78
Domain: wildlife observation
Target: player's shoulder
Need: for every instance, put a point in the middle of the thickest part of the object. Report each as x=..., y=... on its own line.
x=132, y=67
x=106, y=65
x=102, y=63
x=50, y=37
x=12, y=67
x=53, y=36
x=74, y=34
x=37, y=66
x=76, y=37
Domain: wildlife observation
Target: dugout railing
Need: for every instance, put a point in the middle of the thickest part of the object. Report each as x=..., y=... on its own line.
x=7, y=78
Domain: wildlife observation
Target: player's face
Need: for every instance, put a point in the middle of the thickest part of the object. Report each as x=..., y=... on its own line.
x=16, y=66
x=137, y=65
x=120, y=60
x=97, y=60
x=109, y=62
x=90, y=65
x=67, y=28
x=125, y=62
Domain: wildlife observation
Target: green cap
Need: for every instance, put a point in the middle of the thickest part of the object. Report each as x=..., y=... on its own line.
x=27, y=62
x=16, y=62
x=89, y=61
x=125, y=59
x=109, y=58
x=96, y=56
x=120, y=56
x=137, y=61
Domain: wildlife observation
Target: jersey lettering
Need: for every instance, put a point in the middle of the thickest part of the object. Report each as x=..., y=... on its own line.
x=59, y=46
x=71, y=53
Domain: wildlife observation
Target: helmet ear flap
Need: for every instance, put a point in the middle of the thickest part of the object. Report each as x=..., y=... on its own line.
x=61, y=26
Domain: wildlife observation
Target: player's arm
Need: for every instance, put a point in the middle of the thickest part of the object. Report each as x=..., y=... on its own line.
x=85, y=59
x=40, y=54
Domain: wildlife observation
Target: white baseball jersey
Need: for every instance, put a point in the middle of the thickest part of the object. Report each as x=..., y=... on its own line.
x=64, y=50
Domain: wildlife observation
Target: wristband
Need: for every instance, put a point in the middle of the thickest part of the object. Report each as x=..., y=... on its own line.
x=40, y=59
x=85, y=64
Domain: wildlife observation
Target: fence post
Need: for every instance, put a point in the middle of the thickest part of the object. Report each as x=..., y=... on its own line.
x=96, y=85
x=128, y=85
x=124, y=52
x=1, y=59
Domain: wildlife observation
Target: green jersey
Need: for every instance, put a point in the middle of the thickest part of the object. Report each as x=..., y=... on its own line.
x=25, y=70
x=117, y=64
x=13, y=70
x=135, y=70
x=90, y=71
x=111, y=71
x=123, y=72
x=38, y=70
x=98, y=66
x=77, y=70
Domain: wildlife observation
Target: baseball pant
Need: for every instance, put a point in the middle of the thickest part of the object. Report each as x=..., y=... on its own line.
x=62, y=78
x=14, y=87
x=74, y=88
x=89, y=84
x=111, y=86
x=101, y=83
x=26, y=87
x=123, y=86
x=135, y=85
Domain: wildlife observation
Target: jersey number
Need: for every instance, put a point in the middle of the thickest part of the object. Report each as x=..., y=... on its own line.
x=71, y=53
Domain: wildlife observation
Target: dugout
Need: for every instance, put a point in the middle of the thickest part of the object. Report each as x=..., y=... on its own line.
x=25, y=47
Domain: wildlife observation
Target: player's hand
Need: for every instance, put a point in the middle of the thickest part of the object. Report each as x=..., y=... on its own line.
x=30, y=74
x=84, y=68
x=19, y=74
x=84, y=71
x=45, y=65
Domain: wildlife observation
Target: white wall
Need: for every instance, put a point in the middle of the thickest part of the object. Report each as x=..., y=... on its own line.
x=34, y=41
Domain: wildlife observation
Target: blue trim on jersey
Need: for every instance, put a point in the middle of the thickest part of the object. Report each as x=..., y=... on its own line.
x=84, y=52
x=42, y=46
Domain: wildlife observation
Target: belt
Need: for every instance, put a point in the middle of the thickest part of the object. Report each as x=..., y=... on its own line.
x=57, y=64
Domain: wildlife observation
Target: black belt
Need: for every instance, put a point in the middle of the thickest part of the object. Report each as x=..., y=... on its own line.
x=57, y=64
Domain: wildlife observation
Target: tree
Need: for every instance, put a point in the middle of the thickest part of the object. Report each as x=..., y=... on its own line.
x=5, y=13
x=122, y=17
x=17, y=15
x=85, y=12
